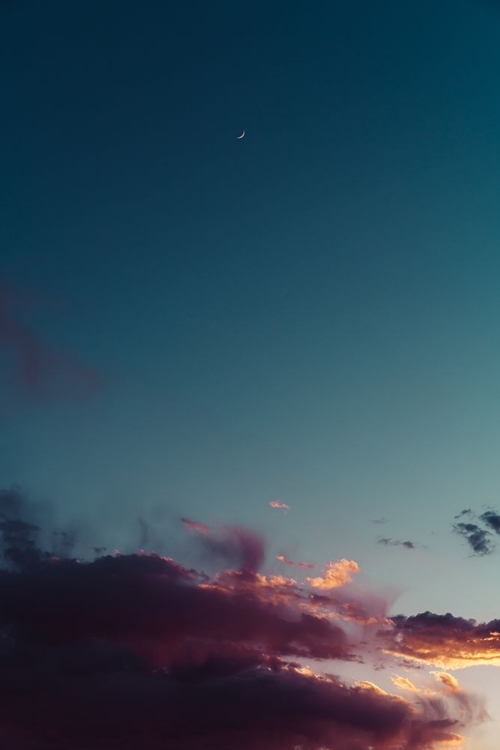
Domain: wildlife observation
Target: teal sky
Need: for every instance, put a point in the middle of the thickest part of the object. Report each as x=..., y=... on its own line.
x=310, y=313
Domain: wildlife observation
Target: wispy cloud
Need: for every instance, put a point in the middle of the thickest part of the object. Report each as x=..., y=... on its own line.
x=492, y=519
x=387, y=542
x=232, y=545
x=278, y=504
x=37, y=370
x=285, y=560
x=202, y=528
x=479, y=538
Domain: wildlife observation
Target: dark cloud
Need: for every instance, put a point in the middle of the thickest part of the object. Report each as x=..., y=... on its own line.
x=397, y=543
x=477, y=529
x=492, y=519
x=231, y=545
x=102, y=696
x=444, y=640
x=37, y=370
x=478, y=539
x=138, y=651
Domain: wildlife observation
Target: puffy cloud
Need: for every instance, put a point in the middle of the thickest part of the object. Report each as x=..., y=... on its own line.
x=335, y=574
x=103, y=695
x=138, y=650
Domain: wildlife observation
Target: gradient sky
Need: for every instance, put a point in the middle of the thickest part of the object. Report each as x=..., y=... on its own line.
x=194, y=325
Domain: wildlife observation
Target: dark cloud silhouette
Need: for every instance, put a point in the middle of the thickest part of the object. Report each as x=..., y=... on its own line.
x=492, y=519
x=396, y=543
x=37, y=370
x=477, y=530
x=478, y=539
x=232, y=545
x=102, y=696
x=138, y=651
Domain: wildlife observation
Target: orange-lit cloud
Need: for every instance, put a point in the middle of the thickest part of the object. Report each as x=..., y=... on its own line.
x=444, y=640
x=336, y=574
x=285, y=560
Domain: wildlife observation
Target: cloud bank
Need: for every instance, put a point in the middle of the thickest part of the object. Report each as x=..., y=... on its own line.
x=139, y=651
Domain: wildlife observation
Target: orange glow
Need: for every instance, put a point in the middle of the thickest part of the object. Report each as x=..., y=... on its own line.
x=336, y=574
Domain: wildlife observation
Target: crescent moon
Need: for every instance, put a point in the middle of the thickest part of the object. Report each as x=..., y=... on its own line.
x=239, y=137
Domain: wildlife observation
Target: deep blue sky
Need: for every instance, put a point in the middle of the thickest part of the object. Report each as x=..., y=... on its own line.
x=310, y=313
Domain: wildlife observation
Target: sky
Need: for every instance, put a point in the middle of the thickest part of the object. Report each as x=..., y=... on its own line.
x=194, y=326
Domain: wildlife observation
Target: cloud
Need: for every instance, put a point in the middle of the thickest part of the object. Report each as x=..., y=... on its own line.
x=232, y=545
x=335, y=574
x=285, y=560
x=397, y=543
x=477, y=530
x=492, y=519
x=195, y=526
x=444, y=640
x=137, y=650
x=37, y=370
x=101, y=695
x=477, y=538
x=280, y=505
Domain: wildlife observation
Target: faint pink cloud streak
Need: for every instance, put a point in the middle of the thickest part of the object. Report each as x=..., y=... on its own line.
x=202, y=528
x=39, y=371
x=281, y=506
x=285, y=560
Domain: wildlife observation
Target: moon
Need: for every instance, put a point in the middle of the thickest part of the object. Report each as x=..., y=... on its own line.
x=239, y=137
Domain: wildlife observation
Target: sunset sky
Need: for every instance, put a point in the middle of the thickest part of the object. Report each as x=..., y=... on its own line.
x=249, y=388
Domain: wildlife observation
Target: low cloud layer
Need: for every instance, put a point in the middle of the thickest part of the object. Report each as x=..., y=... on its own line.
x=130, y=651
x=444, y=640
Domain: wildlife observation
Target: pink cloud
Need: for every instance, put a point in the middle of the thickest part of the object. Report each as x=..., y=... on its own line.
x=37, y=370
x=280, y=505
x=285, y=560
x=202, y=528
